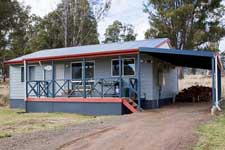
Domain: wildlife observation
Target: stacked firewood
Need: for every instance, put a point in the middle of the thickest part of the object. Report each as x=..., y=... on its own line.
x=195, y=94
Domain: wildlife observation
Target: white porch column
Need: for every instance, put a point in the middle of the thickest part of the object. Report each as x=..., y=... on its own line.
x=25, y=83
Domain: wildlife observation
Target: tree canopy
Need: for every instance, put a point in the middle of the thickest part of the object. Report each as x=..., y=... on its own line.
x=72, y=23
x=188, y=24
x=117, y=32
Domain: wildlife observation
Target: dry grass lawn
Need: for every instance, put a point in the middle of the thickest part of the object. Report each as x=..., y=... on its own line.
x=4, y=93
x=15, y=121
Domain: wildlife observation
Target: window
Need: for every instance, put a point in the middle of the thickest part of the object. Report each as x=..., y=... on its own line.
x=128, y=67
x=31, y=73
x=77, y=70
x=115, y=67
x=89, y=69
x=22, y=74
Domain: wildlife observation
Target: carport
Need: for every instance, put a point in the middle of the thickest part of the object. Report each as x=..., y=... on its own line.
x=193, y=59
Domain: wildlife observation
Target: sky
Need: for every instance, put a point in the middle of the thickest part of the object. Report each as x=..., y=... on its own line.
x=126, y=11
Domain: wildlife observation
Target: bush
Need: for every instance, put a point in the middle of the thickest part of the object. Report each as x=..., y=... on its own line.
x=4, y=100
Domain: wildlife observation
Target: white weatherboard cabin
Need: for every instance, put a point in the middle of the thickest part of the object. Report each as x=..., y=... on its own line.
x=104, y=79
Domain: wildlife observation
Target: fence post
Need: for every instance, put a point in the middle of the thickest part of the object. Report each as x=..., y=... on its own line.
x=102, y=92
x=53, y=78
x=68, y=87
x=38, y=87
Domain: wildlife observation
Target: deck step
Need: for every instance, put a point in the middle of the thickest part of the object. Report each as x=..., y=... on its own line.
x=130, y=104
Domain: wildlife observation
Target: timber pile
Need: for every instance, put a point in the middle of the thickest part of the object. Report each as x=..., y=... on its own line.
x=195, y=94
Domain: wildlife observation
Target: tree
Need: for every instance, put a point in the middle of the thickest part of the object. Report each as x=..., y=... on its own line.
x=83, y=16
x=188, y=24
x=117, y=32
x=17, y=39
x=192, y=24
x=61, y=28
x=14, y=19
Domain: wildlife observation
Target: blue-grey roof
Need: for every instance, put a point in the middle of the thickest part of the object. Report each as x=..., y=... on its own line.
x=185, y=58
x=92, y=49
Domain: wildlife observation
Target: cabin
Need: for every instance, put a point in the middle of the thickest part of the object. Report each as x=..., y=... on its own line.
x=104, y=79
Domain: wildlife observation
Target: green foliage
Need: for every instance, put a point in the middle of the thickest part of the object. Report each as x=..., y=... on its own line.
x=14, y=20
x=81, y=27
x=188, y=24
x=72, y=23
x=118, y=32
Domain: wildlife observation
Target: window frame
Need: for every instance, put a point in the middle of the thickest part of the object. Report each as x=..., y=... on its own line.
x=123, y=67
x=28, y=72
x=112, y=67
x=21, y=75
x=77, y=62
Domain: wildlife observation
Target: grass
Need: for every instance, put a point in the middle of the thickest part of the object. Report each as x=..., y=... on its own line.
x=212, y=135
x=15, y=121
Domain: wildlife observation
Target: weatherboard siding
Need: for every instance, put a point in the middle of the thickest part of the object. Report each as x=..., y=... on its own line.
x=63, y=71
x=149, y=76
x=103, y=70
x=169, y=84
x=16, y=86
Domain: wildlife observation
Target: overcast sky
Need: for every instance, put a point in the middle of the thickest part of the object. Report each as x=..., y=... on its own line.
x=126, y=11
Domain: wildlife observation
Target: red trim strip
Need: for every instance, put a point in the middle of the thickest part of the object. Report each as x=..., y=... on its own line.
x=83, y=100
x=87, y=55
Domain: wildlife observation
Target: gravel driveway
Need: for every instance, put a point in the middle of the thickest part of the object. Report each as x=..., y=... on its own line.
x=168, y=128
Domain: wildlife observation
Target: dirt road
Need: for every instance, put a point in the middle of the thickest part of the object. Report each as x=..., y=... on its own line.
x=168, y=128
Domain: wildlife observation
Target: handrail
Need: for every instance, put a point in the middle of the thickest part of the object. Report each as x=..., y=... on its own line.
x=101, y=87
x=133, y=92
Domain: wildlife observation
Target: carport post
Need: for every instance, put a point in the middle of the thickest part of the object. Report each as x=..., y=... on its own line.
x=219, y=83
x=216, y=83
x=213, y=82
x=139, y=81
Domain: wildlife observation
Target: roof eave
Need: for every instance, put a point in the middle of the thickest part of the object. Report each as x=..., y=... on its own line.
x=86, y=55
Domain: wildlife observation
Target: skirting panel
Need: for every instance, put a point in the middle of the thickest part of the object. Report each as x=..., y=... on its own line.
x=17, y=103
x=86, y=108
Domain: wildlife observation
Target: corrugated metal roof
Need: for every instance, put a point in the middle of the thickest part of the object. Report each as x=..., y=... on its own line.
x=119, y=46
x=185, y=58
